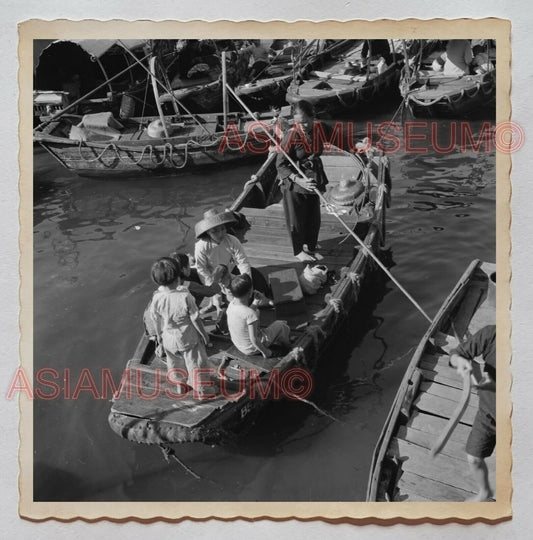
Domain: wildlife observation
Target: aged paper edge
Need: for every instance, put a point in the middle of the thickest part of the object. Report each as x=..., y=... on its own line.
x=331, y=512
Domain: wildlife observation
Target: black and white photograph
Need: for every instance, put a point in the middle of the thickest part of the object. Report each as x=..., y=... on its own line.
x=264, y=271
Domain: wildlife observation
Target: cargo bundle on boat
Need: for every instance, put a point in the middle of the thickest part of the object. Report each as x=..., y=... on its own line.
x=431, y=399
x=314, y=319
x=350, y=83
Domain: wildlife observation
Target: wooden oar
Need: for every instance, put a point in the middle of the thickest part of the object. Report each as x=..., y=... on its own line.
x=454, y=420
x=253, y=181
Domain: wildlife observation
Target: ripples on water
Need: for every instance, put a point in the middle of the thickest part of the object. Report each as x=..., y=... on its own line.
x=94, y=241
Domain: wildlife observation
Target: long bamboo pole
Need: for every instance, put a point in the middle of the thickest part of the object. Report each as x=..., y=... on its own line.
x=224, y=90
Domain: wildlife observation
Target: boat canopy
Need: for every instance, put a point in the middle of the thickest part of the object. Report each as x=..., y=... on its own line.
x=84, y=63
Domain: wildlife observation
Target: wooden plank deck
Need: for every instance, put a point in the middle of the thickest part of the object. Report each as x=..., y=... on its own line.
x=446, y=477
x=268, y=247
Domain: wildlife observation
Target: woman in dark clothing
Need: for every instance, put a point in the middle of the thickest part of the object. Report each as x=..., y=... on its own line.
x=304, y=144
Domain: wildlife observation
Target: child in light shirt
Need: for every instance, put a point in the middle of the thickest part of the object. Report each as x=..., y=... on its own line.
x=243, y=322
x=177, y=322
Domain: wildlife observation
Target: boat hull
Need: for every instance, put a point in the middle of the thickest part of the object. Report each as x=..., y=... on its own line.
x=402, y=466
x=314, y=321
x=109, y=159
x=470, y=96
x=330, y=99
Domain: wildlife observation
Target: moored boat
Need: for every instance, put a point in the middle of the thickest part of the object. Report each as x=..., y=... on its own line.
x=428, y=400
x=98, y=145
x=429, y=91
x=313, y=319
x=438, y=95
x=270, y=87
x=349, y=84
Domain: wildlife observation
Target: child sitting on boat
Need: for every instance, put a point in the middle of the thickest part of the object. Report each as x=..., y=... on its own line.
x=180, y=331
x=221, y=300
x=243, y=322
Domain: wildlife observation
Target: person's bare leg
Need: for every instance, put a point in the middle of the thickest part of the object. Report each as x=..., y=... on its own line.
x=479, y=471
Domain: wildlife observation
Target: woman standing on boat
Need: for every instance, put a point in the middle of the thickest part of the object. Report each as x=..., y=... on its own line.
x=301, y=204
x=214, y=247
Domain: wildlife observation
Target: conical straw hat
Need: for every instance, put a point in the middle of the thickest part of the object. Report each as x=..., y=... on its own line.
x=213, y=218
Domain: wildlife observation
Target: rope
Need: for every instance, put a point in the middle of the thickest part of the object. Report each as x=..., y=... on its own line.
x=489, y=84
x=171, y=453
x=476, y=90
x=336, y=304
x=88, y=160
x=410, y=97
x=343, y=103
x=461, y=94
x=185, y=157
x=354, y=277
x=131, y=161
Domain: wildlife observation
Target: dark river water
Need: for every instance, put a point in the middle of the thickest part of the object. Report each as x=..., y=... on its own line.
x=94, y=242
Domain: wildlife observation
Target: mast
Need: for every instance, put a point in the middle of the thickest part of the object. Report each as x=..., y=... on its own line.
x=224, y=90
x=156, y=95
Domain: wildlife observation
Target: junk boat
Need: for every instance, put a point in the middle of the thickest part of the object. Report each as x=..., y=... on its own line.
x=359, y=189
x=403, y=468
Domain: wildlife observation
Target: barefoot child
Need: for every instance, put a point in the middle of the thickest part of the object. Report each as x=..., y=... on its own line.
x=178, y=325
x=243, y=322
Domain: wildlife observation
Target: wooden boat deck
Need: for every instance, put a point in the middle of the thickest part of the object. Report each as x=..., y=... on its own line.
x=268, y=247
x=445, y=477
x=428, y=400
x=313, y=319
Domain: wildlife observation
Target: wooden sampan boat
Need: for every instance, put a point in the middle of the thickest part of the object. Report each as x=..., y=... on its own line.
x=313, y=319
x=438, y=95
x=137, y=146
x=270, y=88
x=402, y=467
x=340, y=89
